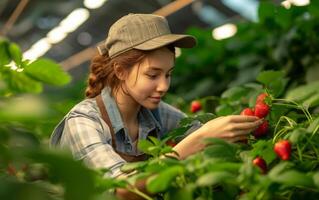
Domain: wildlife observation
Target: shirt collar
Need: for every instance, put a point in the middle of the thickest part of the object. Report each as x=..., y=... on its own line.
x=146, y=119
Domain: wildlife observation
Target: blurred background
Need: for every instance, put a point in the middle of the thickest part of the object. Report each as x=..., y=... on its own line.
x=245, y=47
x=63, y=29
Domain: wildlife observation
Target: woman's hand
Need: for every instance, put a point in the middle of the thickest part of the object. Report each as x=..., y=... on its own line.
x=231, y=128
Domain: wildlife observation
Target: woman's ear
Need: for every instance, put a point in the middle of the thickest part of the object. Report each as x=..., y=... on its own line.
x=120, y=72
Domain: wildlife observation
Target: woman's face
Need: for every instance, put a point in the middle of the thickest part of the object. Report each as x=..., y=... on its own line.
x=149, y=80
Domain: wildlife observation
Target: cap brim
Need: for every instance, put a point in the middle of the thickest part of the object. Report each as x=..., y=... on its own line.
x=177, y=40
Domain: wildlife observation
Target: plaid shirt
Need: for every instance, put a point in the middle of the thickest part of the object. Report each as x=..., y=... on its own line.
x=88, y=136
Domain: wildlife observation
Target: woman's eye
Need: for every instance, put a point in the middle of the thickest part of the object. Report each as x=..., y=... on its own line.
x=168, y=75
x=153, y=76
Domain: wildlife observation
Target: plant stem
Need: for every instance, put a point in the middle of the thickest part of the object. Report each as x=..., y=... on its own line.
x=305, y=111
x=138, y=192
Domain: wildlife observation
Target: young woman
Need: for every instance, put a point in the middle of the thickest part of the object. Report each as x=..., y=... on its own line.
x=127, y=81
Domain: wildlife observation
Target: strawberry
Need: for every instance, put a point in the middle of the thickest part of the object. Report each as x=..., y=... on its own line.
x=195, y=106
x=261, y=98
x=283, y=149
x=261, y=130
x=261, y=110
x=261, y=164
x=11, y=170
x=171, y=143
x=247, y=111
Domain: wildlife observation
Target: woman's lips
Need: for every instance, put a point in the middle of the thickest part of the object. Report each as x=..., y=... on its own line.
x=156, y=99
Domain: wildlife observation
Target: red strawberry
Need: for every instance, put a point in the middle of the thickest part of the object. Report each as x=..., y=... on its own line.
x=196, y=106
x=261, y=130
x=171, y=143
x=11, y=170
x=261, y=164
x=261, y=110
x=283, y=149
x=247, y=111
x=261, y=98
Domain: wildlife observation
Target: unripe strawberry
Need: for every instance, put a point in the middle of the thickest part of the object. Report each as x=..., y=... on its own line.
x=171, y=143
x=283, y=149
x=261, y=164
x=247, y=111
x=261, y=130
x=261, y=98
x=261, y=110
x=195, y=106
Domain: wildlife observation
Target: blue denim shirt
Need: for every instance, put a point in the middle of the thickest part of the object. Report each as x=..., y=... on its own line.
x=85, y=133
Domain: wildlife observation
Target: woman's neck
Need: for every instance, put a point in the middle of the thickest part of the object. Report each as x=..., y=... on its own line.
x=128, y=107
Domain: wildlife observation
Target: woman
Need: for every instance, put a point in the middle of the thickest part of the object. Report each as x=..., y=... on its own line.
x=127, y=81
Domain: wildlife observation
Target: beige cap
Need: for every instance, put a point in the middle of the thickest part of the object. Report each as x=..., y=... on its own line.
x=143, y=32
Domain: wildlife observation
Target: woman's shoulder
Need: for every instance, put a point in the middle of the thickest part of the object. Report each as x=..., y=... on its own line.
x=166, y=109
x=86, y=107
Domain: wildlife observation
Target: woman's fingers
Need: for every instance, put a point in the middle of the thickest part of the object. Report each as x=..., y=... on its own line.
x=242, y=118
x=247, y=125
x=238, y=138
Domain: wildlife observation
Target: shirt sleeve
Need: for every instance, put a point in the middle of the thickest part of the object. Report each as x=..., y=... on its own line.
x=171, y=117
x=91, y=142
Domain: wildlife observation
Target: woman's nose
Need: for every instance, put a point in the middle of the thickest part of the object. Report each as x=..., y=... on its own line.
x=164, y=84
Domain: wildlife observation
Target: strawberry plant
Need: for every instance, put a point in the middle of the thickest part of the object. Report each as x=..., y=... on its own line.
x=267, y=69
x=279, y=160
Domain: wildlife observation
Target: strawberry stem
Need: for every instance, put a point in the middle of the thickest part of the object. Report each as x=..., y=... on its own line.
x=295, y=105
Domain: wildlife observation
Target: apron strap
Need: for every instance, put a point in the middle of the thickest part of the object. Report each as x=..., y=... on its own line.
x=106, y=118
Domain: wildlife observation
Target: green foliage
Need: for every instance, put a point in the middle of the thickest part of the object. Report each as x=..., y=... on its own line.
x=277, y=55
x=282, y=40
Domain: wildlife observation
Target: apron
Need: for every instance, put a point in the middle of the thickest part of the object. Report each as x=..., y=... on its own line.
x=105, y=117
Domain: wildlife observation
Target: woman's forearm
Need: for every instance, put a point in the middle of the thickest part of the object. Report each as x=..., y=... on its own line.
x=127, y=194
x=191, y=144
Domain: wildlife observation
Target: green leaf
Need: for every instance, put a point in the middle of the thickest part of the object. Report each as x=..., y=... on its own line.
x=293, y=178
x=235, y=93
x=266, y=11
x=275, y=81
x=213, y=178
x=283, y=17
x=279, y=169
x=77, y=179
x=160, y=182
x=19, y=82
x=316, y=179
x=297, y=135
x=47, y=71
x=15, y=53
x=203, y=118
x=154, y=140
x=175, y=133
x=313, y=126
x=148, y=147
x=265, y=149
x=4, y=53
x=224, y=166
x=220, y=149
x=128, y=167
x=303, y=92
x=312, y=101
x=224, y=110
x=185, y=193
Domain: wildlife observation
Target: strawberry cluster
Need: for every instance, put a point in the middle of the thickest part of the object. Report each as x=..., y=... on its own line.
x=260, y=110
